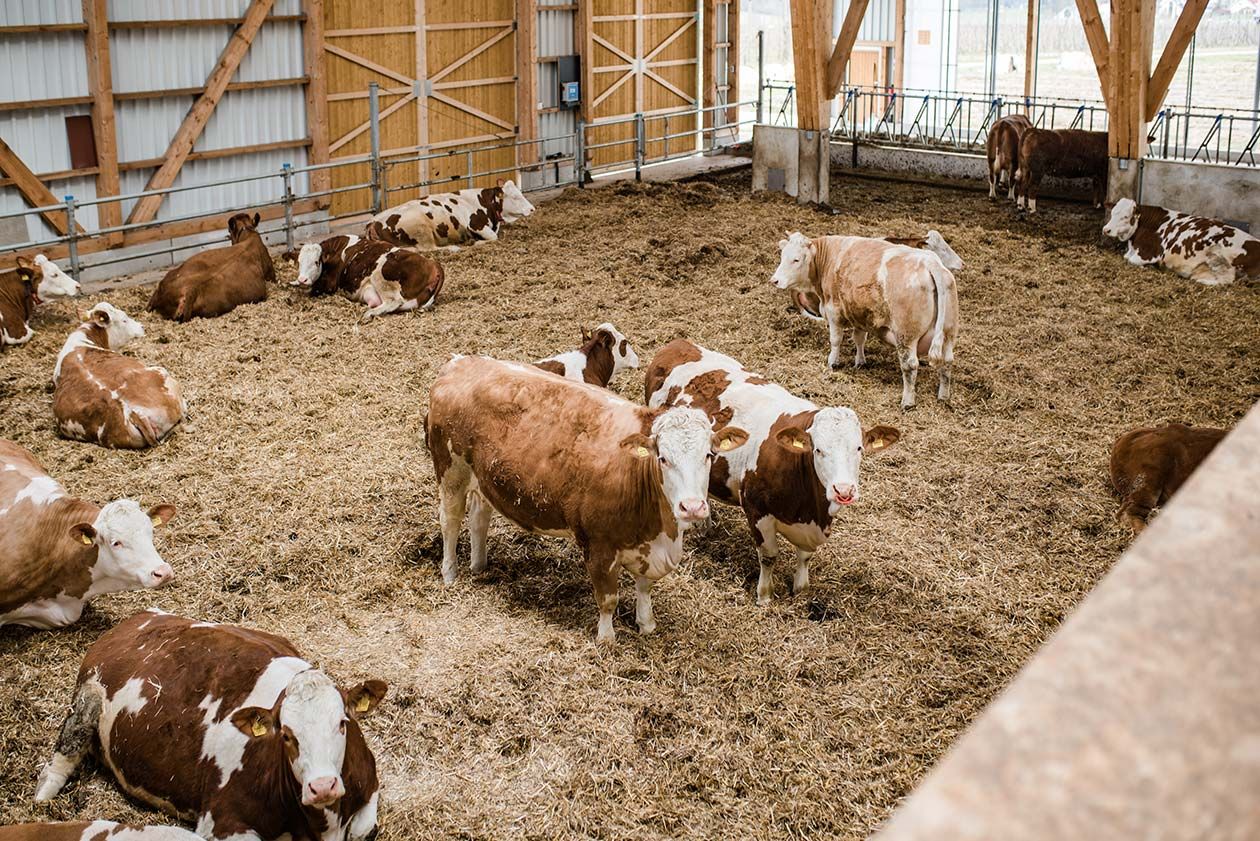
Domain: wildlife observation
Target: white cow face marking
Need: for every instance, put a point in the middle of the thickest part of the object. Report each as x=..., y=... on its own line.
x=836, y=444
x=120, y=327
x=310, y=264
x=795, y=257
x=623, y=354
x=515, y=205
x=123, y=535
x=938, y=246
x=1123, y=222
x=683, y=443
x=55, y=283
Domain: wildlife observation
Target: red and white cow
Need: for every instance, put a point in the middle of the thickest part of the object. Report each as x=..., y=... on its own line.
x=383, y=277
x=1194, y=247
x=450, y=220
x=569, y=459
x=1002, y=151
x=604, y=353
x=223, y=726
x=23, y=289
x=94, y=831
x=1064, y=153
x=57, y=551
x=799, y=465
x=1150, y=464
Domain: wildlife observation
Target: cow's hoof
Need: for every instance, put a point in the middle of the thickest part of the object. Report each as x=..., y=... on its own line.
x=835, y=366
x=905, y=407
x=448, y=579
x=644, y=630
x=857, y=363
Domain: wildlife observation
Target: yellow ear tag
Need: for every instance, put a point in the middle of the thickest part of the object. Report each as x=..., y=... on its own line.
x=642, y=452
x=364, y=703
x=800, y=445
x=260, y=729
x=87, y=541
x=726, y=444
x=157, y=521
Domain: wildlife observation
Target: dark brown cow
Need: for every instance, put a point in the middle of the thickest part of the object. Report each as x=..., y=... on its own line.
x=1002, y=150
x=1148, y=466
x=94, y=831
x=218, y=280
x=1063, y=153
x=604, y=353
x=1205, y=250
x=23, y=289
x=383, y=277
x=225, y=726
x=568, y=459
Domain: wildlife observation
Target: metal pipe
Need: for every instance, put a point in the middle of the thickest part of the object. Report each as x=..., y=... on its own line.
x=579, y=153
x=73, y=233
x=761, y=73
x=470, y=169
x=288, y=206
x=374, y=121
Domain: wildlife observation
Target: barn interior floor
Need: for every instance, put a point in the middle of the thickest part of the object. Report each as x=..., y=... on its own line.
x=306, y=508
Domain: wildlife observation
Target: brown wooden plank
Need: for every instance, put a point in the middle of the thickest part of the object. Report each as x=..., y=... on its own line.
x=101, y=85
x=37, y=28
x=527, y=81
x=186, y=23
x=31, y=188
x=1096, y=37
x=1030, y=50
x=198, y=91
x=1170, y=60
x=899, y=45
x=809, y=63
x=844, y=47
x=32, y=104
x=316, y=96
x=584, y=35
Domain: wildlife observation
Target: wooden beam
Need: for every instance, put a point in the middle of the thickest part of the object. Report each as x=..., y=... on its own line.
x=808, y=60
x=1096, y=37
x=1170, y=60
x=1132, y=33
x=899, y=46
x=31, y=188
x=422, y=76
x=1031, y=50
x=101, y=85
x=185, y=23
x=316, y=96
x=127, y=96
x=585, y=37
x=195, y=121
x=32, y=104
x=527, y=84
x=844, y=46
x=710, y=61
x=732, y=58
x=42, y=28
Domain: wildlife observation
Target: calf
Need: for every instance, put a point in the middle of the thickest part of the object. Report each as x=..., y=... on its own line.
x=58, y=551
x=255, y=742
x=1148, y=466
x=797, y=469
x=904, y=295
x=93, y=831
x=1194, y=247
x=105, y=398
x=380, y=276
x=451, y=219
x=23, y=289
x=1002, y=149
x=602, y=355
x=218, y=280
x=570, y=460
x=1064, y=153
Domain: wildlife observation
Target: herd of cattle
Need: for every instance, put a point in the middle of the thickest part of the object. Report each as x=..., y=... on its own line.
x=256, y=742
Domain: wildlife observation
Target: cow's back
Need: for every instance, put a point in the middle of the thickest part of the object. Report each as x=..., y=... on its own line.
x=1160, y=457
x=115, y=400
x=216, y=281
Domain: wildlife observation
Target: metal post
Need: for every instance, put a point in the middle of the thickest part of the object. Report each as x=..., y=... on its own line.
x=374, y=119
x=1255, y=97
x=287, y=174
x=469, y=156
x=638, y=147
x=73, y=233
x=579, y=154
x=1185, y=142
x=761, y=71
x=665, y=148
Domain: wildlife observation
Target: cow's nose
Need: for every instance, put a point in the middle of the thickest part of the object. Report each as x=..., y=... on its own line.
x=843, y=493
x=323, y=791
x=163, y=575
x=694, y=509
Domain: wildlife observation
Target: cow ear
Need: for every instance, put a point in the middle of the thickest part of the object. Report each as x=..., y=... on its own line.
x=99, y=316
x=498, y=182
x=782, y=244
x=606, y=339
x=257, y=219
x=25, y=263
x=729, y=438
x=83, y=533
x=254, y=722
x=639, y=445
x=586, y=334
x=794, y=439
x=161, y=514
x=363, y=698
x=880, y=438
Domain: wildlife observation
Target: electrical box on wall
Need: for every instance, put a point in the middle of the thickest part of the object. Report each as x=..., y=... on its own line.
x=568, y=74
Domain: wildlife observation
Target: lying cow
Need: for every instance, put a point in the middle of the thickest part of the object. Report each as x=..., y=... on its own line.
x=1063, y=153
x=58, y=551
x=799, y=466
x=1002, y=150
x=380, y=276
x=450, y=220
x=224, y=726
x=904, y=295
x=571, y=460
x=218, y=280
x=1195, y=247
x=1148, y=466
x=93, y=831
x=105, y=398
x=604, y=353
x=24, y=289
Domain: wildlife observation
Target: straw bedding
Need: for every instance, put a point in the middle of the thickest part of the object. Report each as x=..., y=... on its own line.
x=306, y=508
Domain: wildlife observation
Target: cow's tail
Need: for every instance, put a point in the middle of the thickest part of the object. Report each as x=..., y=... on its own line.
x=943, y=280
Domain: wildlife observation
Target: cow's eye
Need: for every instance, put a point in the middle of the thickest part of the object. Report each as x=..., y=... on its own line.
x=117, y=544
x=710, y=456
x=342, y=726
x=859, y=449
x=287, y=736
x=664, y=461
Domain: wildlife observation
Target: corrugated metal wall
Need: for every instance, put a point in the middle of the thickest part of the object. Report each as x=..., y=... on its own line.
x=880, y=23
x=555, y=30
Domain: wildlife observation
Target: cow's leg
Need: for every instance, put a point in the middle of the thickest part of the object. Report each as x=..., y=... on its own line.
x=643, y=605
x=836, y=333
x=73, y=743
x=387, y=306
x=859, y=345
x=1138, y=504
x=479, y=512
x=603, y=568
x=766, y=539
x=908, y=359
x=800, y=581
x=452, y=503
x=945, y=372
x=994, y=170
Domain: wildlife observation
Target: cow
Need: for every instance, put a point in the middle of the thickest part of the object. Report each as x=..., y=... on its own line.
x=904, y=295
x=94, y=831
x=103, y=397
x=604, y=353
x=383, y=277
x=57, y=551
x=1063, y=153
x=1195, y=247
x=799, y=466
x=225, y=727
x=449, y=220
x=218, y=280
x=23, y=289
x=1148, y=465
x=1002, y=150
x=569, y=459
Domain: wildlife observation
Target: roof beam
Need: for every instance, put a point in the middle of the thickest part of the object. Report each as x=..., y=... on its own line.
x=1169, y=61
x=32, y=189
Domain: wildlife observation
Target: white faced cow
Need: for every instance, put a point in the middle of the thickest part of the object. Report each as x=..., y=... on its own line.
x=382, y=277
x=22, y=290
x=604, y=353
x=450, y=220
x=1194, y=247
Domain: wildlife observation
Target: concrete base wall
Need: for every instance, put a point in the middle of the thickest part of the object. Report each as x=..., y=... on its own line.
x=792, y=161
x=1229, y=193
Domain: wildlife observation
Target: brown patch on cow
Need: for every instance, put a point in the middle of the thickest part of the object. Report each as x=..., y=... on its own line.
x=1148, y=465
x=479, y=221
x=1248, y=262
x=551, y=366
x=17, y=302
x=442, y=229
x=218, y=280
x=677, y=352
x=429, y=213
x=1147, y=240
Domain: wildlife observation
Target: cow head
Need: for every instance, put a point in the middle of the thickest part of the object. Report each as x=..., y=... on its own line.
x=120, y=328
x=125, y=556
x=684, y=444
x=796, y=255
x=1123, y=223
x=310, y=264
x=242, y=224
x=936, y=243
x=310, y=721
x=515, y=205
x=623, y=354
x=52, y=281
x=835, y=443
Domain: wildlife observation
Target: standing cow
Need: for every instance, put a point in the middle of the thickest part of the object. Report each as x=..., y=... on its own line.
x=1148, y=465
x=799, y=466
x=24, y=289
x=1063, y=153
x=1002, y=150
x=569, y=459
x=57, y=551
x=224, y=726
x=105, y=398
x=218, y=280
x=904, y=295
x=604, y=353
x=382, y=277
x=1201, y=249
x=450, y=220
x=93, y=831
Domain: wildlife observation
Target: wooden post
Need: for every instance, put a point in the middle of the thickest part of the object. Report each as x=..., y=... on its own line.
x=1031, y=50
x=31, y=188
x=101, y=87
x=844, y=46
x=316, y=96
x=709, y=70
x=526, y=82
x=899, y=47
x=586, y=49
x=732, y=58
x=422, y=98
x=808, y=60
x=1132, y=31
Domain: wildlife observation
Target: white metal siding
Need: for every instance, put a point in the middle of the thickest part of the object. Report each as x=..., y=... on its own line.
x=879, y=24
x=24, y=12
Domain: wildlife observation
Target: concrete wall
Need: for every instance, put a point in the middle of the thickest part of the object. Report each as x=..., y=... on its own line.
x=1230, y=193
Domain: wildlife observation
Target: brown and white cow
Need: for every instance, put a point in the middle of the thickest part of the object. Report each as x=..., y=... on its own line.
x=1064, y=153
x=1002, y=150
x=799, y=466
x=382, y=277
x=604, y=353
x=57, y=551
x=223, y=726
x=1148, y=465
x=569, y=459
x=105, y=398
x=25, y=288
x=450, y=220
x=218, y=280
x=1194, y=247
x=903, y=295
x=94, y=831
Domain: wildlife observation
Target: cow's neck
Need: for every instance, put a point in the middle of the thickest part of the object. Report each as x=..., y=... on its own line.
x=14, y=298
x=281, y=796
x=599, y=361
x=89, y=335
x=647, y=488
x=57, y=518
